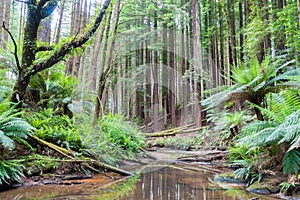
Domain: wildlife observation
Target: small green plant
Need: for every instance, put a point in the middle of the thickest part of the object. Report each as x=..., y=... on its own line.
x=121, y=132
x=246, y=160
x=286, y=186
x=109, y=146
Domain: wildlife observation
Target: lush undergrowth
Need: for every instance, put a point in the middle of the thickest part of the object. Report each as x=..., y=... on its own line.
x=110, y=141
x=259, y=119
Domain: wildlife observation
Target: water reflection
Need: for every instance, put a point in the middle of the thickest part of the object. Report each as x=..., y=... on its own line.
x=175, y=184
x=154, y=183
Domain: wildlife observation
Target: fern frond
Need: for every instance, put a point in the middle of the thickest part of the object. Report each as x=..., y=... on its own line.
x=291, y=132
x=10, y=170
x=6, y=141
x=291, y=162
x=257, y=138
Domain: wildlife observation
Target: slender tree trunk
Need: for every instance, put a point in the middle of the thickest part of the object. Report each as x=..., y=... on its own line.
x=165, y=76
x=268, y=35
x=155, y=78
x=172, y=74
x=222, y=52
x=61, y=14
x=148, y=77
x=183, y=67
x=232, y=37
x=94, y=60
x=21, y=22
x=6, y=20
x=241, y=32
x=1, y=21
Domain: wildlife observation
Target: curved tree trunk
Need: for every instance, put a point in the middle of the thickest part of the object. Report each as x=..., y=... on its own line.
x=27, y=68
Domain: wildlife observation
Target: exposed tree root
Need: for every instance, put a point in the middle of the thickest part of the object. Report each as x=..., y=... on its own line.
x=82, y=159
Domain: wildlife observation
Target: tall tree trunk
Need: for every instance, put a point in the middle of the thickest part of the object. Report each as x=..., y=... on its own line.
x=94, y=60
x=21, y=22
x=155, y=78
x=222, y=52
x=148, y=77
x=7, y=20
x=61, y=14
x=268, y=35
x=184, y=60
x=197, y=62
x=232, y=36
x=1, y=21
x=165, y=76
x=241, y=32
x=172, y=74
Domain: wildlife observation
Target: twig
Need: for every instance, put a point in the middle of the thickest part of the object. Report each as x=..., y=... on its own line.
x=15, y=45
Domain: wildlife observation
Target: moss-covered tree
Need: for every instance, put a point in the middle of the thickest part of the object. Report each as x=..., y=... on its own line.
x=29, y=66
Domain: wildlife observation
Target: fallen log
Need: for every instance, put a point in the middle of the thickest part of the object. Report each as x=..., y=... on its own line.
x=70, y=154
x=172, y=132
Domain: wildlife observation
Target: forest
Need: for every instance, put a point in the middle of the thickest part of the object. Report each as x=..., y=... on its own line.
x=87, y=84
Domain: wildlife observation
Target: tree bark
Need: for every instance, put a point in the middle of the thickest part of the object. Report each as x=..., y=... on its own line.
x=197, y=62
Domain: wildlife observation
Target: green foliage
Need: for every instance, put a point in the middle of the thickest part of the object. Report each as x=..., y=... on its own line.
x=5, y=84
x=253, y=81
x=54, y=128
x=245, y=159
x=57, y=88
x=10, y=170
x=282, y=128
x=12, y=128
x=116, y=140
x=291, y=162
x=288, y=17
x=121, y=132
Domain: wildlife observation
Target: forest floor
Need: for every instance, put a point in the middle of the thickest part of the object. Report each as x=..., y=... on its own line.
x=72, y=173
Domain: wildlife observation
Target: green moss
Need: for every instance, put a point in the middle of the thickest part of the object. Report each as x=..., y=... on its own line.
x=38, y=164
x=228, y=177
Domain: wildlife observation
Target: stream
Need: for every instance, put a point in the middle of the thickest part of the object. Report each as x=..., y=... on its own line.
x=163, y=179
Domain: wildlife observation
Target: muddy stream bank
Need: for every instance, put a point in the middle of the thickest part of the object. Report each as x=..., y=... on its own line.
x=165, y=178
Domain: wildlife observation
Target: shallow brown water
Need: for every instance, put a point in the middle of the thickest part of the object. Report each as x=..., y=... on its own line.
x=156, y=182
